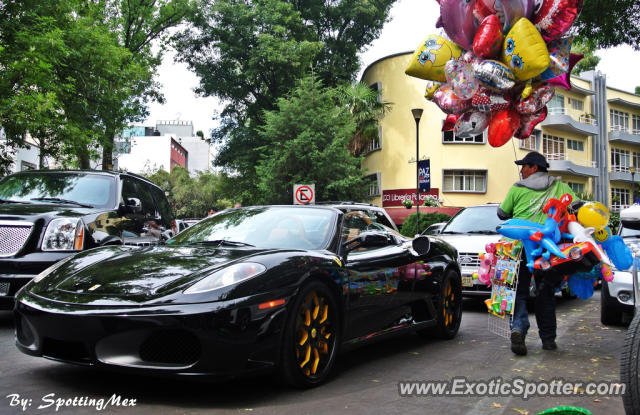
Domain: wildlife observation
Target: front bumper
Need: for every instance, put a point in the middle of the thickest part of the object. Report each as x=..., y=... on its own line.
x=476, y=289
x=621, y=291
x=221, y=339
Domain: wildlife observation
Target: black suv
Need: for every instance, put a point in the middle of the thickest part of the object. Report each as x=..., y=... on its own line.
x=47, y=215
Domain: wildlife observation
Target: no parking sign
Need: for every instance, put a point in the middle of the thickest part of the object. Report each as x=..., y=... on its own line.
x=304, y=194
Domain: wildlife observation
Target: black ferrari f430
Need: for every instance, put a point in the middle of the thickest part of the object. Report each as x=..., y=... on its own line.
x=246, y=290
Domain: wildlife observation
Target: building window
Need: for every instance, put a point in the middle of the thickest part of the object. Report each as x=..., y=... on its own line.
x=578, y=188
x=575, y=145
x=449, y=137
x=374, y=184
x=620, y=160
x=376, y=142
x=635, y=124
x=635, y=158
x=556, y=104
x=576, y=104
x=531, y=143
x=619, y=199
x=553, y=147
x=472, y=181
x=618, y=120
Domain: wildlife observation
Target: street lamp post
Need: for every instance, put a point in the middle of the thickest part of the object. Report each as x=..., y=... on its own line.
x=417, y=114
x=632, y=169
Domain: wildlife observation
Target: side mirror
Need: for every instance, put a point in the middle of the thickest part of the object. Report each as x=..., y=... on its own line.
x=420, y=245
x=367, y=239
x=132, y=205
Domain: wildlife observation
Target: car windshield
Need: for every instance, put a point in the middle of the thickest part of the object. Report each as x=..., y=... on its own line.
x=278, y=227
x=477, y=219
x=75, y=188
x=626, y=232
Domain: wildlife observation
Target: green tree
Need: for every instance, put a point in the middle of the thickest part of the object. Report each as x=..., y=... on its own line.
x=610, y=23
x=249, y=54
x=307, y=140
x=367, y=109
x=589, y=61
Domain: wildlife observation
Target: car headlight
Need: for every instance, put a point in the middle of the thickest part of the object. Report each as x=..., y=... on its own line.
x=52, y=268
x=64, y=234
x=227, y=276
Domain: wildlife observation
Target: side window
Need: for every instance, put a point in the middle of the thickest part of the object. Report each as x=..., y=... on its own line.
x=148, y=205
x=381, y=218
x=356, y=222
x=128, y=189
x=163, y=207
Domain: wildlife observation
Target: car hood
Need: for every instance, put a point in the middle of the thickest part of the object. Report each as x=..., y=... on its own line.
x=31, y=212
x=138, y=272
x=474, y=243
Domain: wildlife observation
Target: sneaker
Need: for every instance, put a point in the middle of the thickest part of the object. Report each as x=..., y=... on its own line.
x=548, y=346
x=517, y=343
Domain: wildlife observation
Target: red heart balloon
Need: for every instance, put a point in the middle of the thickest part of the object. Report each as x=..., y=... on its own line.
x=502, y=127
x=529, y=121
x=450, y=122
x=487, y=42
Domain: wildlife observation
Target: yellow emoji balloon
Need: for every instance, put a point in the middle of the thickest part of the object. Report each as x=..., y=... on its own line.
x=432, y=87
x=524, y=50
x=594, y=215
x=428, y=60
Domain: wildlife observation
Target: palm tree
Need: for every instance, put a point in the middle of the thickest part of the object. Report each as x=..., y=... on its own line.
x=367, y=109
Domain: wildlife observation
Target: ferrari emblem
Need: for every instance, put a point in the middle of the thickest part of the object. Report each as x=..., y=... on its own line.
x=338, y=261
x=94, y=287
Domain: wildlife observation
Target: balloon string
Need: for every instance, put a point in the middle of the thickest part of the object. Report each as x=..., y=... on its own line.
x=515, y=156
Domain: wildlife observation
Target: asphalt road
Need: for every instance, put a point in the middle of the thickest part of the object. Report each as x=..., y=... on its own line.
x=365, y=382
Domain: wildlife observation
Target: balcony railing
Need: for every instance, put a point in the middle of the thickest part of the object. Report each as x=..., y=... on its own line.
x=589, y=119
x=620, y=168
x=563, y=156
x=625, y=129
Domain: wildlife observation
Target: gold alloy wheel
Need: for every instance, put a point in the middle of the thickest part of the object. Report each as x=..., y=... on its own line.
x=314, y=336
x=449, y=305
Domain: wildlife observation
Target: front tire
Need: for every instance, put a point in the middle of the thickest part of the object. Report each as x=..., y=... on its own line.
x=609, y=316
x=629, y=366
x=448, y=308
x=312, y=337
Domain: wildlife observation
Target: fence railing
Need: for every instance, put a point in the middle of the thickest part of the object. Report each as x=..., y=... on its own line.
x=564, y=156
x=624, y=129
x=576, y=115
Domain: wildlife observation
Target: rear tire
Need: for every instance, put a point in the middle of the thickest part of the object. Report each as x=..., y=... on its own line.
x=312, y=336
x=448, y=308
x=629, y=366
x=609, y=316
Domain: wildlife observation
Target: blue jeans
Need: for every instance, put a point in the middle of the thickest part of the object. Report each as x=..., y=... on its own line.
x=545, y=307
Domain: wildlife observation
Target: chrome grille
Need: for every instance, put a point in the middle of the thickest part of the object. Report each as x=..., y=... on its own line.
x=13, y=235
x=469, y=260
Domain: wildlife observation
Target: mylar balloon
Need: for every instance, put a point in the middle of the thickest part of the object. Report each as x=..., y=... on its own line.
x=555, y=17
x=524, y=51
x=502, y=126
x=529, y=121
x=428, y=60
x=494, y=74
x=482, y=9
x=461, y=78
x=450, y=122
x=458, y=21
x=540, y=95
x=472, y=123
x=564, y=80
x=432, y=86
x=487, y=42
x=449, y=102
x=513, y=10
x=559, y=51
x=486, y=100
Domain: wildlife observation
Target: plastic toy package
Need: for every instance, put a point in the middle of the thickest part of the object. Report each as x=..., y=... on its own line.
x=504, y=278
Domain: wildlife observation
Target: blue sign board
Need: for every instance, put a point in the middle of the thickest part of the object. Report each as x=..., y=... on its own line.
x=424, y=175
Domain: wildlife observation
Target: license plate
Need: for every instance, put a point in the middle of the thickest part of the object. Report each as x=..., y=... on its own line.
x=4, y=288
x=467, y=281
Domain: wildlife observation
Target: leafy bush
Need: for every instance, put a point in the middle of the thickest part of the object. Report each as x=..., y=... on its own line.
x=614, y=222
x=409, y=226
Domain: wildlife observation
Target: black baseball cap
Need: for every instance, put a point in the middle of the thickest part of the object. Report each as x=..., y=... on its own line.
x=535, y=159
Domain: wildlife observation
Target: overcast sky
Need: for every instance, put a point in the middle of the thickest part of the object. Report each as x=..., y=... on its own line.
x=411, y=21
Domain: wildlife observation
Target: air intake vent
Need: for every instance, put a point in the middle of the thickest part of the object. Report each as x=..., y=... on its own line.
x=171, y=347
x=13, y=235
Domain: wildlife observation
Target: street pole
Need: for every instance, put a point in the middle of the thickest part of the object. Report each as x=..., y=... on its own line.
x=417, y=114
